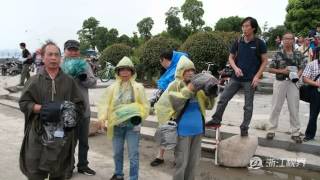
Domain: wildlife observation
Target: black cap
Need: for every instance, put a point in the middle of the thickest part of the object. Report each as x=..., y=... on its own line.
x=71, y=44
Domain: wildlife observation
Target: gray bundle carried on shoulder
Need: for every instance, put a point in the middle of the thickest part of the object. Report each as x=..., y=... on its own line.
x=205, y=82
x=166, y=135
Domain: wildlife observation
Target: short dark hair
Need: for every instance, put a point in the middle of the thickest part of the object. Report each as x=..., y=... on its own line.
x=288, y=32
x=253, y=23
x=166, y=55
x=49, y=43
x=22, y=44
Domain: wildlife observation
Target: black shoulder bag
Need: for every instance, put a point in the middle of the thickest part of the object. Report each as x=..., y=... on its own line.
x=305, y=91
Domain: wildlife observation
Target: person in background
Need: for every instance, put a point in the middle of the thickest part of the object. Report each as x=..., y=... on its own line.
x=27, y=62
x=311, y=76
x=82, y=73
x=288, y=65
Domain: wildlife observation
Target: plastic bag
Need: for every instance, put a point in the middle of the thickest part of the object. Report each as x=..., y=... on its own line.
x=166, y=135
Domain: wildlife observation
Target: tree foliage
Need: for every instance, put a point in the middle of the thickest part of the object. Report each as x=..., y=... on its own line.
x=192, y=11
x=302, y=15
x=229, y=24
x=87, y=33
x=114, y=53
x=144, y=27
x=272, y=34
x=206, y=47
x=173, y=22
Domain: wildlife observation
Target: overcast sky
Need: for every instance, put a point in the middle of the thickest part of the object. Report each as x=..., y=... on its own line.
x=34, y=21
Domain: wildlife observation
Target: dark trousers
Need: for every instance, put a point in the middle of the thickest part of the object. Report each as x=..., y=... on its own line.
x=230, y=90
x=314, y=112
x=25, y=73
x=81, y=135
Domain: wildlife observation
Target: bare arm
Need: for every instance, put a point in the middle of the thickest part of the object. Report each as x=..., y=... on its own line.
x=311, y=82
x=232, y=63
x=264, y=62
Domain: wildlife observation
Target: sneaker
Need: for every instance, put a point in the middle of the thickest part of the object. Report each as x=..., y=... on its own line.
x=306, y=139
x=212, y=124
x=115, y=177
x=156, y=162
x=244, y=132
x=86, y=171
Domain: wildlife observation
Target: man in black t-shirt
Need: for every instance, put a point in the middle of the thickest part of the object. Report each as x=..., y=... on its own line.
x=27, y=61
x=248, y=58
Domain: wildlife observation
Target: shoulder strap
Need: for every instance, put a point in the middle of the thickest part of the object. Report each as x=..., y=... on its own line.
x=317, y=77
x=182, y=111
x=306, y=50
x=258, y=53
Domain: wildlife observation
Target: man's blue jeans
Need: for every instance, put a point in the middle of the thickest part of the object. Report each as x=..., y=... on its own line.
x=132, y=136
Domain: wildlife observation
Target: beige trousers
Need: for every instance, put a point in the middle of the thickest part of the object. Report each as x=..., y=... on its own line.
x=285, y=90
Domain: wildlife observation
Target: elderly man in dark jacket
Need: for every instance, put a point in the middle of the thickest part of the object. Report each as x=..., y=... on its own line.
x=48, y=134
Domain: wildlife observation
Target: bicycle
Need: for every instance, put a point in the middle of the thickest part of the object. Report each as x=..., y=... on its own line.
x=107, y=73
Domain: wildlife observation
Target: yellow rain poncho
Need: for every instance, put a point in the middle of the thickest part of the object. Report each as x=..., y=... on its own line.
x=116, y=107
x=176, y=95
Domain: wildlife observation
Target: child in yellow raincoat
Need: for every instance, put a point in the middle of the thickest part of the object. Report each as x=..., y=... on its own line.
x=123, y=107
x=181, y=94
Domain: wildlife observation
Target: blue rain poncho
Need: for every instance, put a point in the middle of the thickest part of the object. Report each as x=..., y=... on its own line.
x=168, y=76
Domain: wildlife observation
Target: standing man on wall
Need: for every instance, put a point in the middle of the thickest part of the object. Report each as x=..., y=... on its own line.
x=248, y=59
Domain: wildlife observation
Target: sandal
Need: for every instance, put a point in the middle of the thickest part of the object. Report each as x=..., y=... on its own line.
x=297, y=139
x=270, y=135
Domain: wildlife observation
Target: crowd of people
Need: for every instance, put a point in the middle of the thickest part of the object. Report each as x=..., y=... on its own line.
x=56, y=106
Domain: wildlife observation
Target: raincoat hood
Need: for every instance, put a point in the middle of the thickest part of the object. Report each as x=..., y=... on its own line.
x=183, y=65
x=125, y=62
x=168, y=76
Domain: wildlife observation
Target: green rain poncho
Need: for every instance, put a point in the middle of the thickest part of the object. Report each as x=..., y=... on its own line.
x=111, y=111
x=176, y=95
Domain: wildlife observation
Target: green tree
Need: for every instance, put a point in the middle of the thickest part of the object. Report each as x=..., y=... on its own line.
x=101, y=38
x=144, y=27
x=229, y=24
x=135, y=41
x=272, y=34
x=207, y=29
x=112, y=36
x=114, y=54
x=302, y=15
x=173, y=22
x=192, y=11
x=206, y=47
x=124, y=39
x=88, y=31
